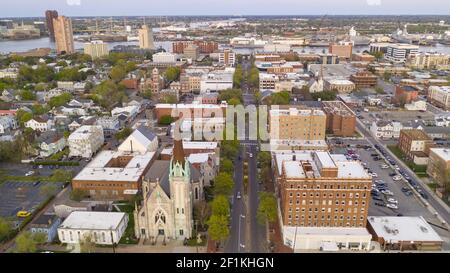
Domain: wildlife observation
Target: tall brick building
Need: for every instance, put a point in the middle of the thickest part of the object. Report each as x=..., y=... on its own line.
x=205, y=47
x=341, y=120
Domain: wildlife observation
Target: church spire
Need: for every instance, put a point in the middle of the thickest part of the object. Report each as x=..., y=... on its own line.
x=178, y=152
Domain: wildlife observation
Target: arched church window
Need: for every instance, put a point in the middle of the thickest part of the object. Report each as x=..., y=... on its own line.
x=160, y=216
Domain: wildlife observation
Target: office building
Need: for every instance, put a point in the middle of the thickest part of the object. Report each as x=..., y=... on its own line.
x=364, y=79
x=399, y=53
x=146, y=38
x=342, y=50
x=429, y=61
x=50, y=15
x=96, y=49
x=205, y=47
x=164, y=57
x=63, y=35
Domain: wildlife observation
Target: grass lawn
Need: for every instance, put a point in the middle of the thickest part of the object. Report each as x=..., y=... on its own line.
x=128, y=237
x=420, y=170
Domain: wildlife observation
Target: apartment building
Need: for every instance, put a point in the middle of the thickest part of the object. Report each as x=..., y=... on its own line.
x=96, y=49
x=415, y=144
x=227, y=57
x=339, y=85
x=439, y=165
x=146, y=38
x=439, y=96
x=63, y=35
x=267, y=81
x=429, y=60
x=364, y=79
x=164, y=57
x=205, y=47
x=341, y=120
x=296, y=123
x=85, y=141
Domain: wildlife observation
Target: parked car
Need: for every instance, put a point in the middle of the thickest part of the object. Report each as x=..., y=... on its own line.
x=392, y=200
x=397, y=178
x=392, y=206
x=384, y=166
x=387, y=192
x=377, y=198
x=29, y=173
x=379, y=204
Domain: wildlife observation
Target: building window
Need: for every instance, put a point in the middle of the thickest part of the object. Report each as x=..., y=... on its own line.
x=103, y=237
x=181, y=232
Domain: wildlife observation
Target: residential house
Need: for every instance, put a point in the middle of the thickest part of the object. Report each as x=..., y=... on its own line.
x=50, y=142
x=86, y=141
x=42, y=123
x=46, y=224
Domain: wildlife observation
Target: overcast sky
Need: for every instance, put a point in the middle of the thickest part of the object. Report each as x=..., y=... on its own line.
x=26, y=8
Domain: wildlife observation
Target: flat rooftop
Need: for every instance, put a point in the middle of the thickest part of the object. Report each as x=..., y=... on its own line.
x=415, y=134
x=442, y=153
x=93, y=220
x=293, y=111
x=395, y=229
x=96, y=170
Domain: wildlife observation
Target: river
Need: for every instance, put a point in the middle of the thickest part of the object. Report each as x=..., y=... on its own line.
x=25, y=45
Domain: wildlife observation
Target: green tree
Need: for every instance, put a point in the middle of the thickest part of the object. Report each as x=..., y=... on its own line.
x=118, y=73
x=38, y=109
x=78, y=195
x=227, y=166
x=70, y=74
x=23, y=116
x=238, y=77
x=220, y=206
x=254, y=77
x=168, y=98
x=109, y=93
x=230, y=94
x=324, y=96
x=223, y=184
x=5, y=228
x=25, y=243
x=172, y=74
x=62, y=176
x=59, y=100
x=218, y=227
x=28, y=95
x=280, y=98
x=123, y=134
x=387, y=75
x=267, y=208
x=48, y=190
x=166, y=120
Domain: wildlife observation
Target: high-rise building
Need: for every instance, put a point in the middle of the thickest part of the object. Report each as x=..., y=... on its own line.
x=227, y=57
x=49, y=16
x=342, y=50
x=341, y=120
x=146, y=38
x=63, y=35
x=399, y=53
x=96, y=49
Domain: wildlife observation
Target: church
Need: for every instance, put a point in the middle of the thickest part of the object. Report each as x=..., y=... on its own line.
x=170, y=189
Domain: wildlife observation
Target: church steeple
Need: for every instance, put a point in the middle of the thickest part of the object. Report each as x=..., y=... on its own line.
x=178, y=152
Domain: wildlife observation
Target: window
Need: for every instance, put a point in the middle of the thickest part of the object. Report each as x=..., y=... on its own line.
x=181, y=232
x=103, y=237
x=70, y=235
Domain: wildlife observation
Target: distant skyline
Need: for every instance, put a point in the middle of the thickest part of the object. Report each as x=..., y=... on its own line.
x=36, y=8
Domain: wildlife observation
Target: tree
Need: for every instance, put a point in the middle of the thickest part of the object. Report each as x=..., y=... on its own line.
x=70, y=74
x=234, y=101
x=48, y=190
x=5, y=228
x=28, y=95
x=202, y=211
x=172, y=73
x=220, y=206
x=387, y=75
x=168, y=98
x=223, y=184
x=227, y=166
x=118, y=73
x=23, y=116
x=254, y=77
x=25, y=243
x=324, y=96
x=238, y=77
x=78, y=195
x=264, y=159
x=39, y=109
x=123, y=134
x=280, y=98
x=230, y=94
x=109, y=93
x=218, y=227
x=267, y=208
x=87, y=245
x=62, y=176
x=60, y=100
x=166, y=120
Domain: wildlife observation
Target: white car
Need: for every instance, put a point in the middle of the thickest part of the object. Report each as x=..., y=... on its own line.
x=29, y=173
x=384, y=166
x=393, y=201
x=397, y=178
x=238, y=195
x=41, y=166
x=374, y=174
x=387, y=192
x=392, y=206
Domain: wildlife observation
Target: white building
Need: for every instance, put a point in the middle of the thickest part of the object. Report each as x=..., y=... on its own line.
x=96, y=49
x=399, y=53
x=164, y=57
x=277, y=48
x=7, y=123
x=216, y=81
x=10, y=73
x=109, y=124
x=419, y=105
x=387, y=129
x=326, y=238
x=103, y=228
x=50, y=143
x=85, y=141
x=41, y=124
x=129, y=111
x=267, y=81
x=227, y=57
x=142, y=140
x=66, y=85
x=439, y=96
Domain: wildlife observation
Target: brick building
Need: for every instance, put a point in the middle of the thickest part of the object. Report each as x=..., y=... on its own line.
x=405, y=94
x=364, y=79
x=414, y=143
x=205, y=47
x=341, y=120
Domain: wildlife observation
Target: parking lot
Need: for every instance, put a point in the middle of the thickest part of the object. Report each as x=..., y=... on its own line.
x=408, y=204
x=17, y=196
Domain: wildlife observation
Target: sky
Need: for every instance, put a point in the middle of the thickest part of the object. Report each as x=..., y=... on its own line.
x=36, y=8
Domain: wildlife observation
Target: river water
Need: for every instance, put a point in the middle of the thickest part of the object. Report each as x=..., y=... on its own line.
x=25, y=45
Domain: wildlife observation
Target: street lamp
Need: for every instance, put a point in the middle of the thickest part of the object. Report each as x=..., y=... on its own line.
x=242, y=216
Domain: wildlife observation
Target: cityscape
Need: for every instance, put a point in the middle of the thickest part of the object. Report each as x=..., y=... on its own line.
x=226, y=134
